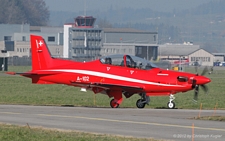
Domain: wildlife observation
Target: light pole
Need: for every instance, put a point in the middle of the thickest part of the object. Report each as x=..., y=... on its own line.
x=180, y=67
x=3, y=64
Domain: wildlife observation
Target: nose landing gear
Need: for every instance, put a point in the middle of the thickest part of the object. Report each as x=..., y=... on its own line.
x=171, y=104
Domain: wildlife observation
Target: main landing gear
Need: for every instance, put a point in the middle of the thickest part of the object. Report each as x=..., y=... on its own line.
x=114, y=104
x=171, y=104
x=143, y=101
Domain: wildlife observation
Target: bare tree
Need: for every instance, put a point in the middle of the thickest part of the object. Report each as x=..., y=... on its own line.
x=33, y=12
x=103, y=23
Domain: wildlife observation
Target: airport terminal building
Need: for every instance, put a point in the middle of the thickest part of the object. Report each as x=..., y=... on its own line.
x=84, y=41
x=81, y=40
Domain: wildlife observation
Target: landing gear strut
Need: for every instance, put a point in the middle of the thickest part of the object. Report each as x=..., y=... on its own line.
x=143, y=101
x=171, y=104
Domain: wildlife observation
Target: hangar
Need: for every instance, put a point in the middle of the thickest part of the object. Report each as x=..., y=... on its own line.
x=188, y=52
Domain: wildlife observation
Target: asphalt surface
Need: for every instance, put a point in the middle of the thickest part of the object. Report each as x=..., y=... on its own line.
x=175, y=124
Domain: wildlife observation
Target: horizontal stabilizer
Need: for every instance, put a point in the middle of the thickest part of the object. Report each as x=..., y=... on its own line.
x=21, y=73
x=11, y=73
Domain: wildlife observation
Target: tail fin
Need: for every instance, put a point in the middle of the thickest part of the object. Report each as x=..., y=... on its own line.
x=41, y=57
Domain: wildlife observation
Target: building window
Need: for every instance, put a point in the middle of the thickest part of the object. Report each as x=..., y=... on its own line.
x=203, y=59
x=139, y=50
x=24, y=38
x=51, y=39
x=7, y=38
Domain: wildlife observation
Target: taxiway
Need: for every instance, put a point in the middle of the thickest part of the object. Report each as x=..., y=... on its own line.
x=168, y=124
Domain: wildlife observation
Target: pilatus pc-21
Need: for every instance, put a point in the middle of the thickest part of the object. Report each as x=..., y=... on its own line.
x=114, y=76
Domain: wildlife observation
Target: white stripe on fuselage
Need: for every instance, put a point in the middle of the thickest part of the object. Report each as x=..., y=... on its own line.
x=111, y=76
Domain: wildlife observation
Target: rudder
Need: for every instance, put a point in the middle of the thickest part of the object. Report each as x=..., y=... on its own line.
x=41, y=57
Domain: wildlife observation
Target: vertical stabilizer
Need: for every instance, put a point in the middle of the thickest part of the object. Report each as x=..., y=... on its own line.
x=41, y=57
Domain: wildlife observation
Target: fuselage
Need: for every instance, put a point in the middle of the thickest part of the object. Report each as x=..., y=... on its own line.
x=154, y=81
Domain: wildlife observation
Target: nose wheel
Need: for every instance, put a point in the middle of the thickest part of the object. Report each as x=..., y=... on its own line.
x=171, y=104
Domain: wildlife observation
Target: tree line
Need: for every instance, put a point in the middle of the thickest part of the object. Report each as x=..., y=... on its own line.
x=33, y=12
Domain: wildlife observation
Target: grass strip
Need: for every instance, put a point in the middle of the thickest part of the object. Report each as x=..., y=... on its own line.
x=27, y=133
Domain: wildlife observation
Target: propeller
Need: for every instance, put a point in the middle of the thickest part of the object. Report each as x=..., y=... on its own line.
x=211, y=70
x=204, y=70
x=203, y=86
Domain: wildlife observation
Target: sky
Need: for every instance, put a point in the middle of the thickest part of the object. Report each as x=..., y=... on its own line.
x=157, y=5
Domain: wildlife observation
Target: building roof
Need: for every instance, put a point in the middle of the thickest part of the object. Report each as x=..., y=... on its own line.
x=218, y=54
x=121, y=30
x=177, y=50
x=35, y=28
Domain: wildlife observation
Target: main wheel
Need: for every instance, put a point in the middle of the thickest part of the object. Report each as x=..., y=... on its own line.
x=140, y=104
x=113, y=104
x=171, y=105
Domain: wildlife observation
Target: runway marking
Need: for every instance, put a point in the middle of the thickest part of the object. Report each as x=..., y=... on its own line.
x=10, y=113
x=122, y=121
x=135, y=122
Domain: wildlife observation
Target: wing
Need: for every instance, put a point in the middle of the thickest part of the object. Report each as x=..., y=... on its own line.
x=104, y=87
x=121, y=87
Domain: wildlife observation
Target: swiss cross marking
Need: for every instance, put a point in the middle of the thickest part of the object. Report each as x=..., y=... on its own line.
x=40, y=43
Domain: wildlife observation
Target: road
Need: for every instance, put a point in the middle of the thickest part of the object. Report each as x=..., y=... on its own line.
x=175, y=124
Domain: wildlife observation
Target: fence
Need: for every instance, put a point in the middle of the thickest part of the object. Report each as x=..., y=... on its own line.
x=19, y=61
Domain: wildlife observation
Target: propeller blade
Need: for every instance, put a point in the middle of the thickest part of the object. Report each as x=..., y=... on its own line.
x=196, y=93
x=211, y=70
x=204, y=70
x=194, y=83
x=196, y=69
x=205, y=88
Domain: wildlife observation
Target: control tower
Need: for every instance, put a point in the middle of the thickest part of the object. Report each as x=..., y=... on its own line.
x=84, y=21
x=82, y=41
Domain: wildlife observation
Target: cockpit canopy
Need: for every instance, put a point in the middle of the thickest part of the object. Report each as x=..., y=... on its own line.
x=128, y=61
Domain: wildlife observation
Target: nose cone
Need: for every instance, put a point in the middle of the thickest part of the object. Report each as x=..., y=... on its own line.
x=202, y=80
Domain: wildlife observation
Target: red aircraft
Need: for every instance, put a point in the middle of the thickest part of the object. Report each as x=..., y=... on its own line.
x=114, y=75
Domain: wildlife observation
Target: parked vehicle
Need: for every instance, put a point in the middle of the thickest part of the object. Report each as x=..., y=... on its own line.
x=216, y=63
x=222, y=64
